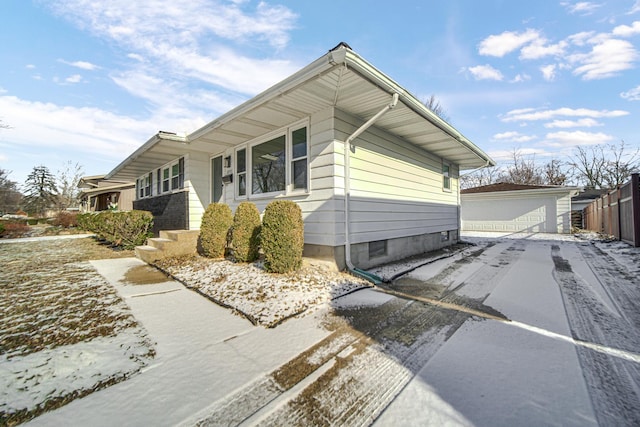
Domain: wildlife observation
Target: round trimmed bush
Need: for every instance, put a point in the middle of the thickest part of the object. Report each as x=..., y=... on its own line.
x=216, y=221
x=282, y=236
x=246, y=232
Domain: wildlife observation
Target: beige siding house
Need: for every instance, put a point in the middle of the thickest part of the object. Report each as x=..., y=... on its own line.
x=373, y=170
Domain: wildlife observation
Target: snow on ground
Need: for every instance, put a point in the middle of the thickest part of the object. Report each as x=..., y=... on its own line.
x=264, y=298
x=64, y=332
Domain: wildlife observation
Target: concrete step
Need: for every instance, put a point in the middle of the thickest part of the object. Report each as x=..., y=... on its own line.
x=171, y=243
x=148, y=254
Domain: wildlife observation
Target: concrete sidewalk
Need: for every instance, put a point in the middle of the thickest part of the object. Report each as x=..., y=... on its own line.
x=203, y=352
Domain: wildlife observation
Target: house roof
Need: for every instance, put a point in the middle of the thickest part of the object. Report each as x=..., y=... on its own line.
x=502, y=190
x=503, y=186
x=589, y=194
x=341, y=79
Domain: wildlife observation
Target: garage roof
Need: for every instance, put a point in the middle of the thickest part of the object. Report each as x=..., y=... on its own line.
x=340, y=78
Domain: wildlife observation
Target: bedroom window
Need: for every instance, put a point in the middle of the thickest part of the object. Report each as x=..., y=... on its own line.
x=446, y=179
x=177, y=174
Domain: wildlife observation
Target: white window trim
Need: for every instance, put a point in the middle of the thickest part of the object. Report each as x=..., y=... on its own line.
x=154, y=190
x=287, y=131
x=236, y=179
x=448, y=175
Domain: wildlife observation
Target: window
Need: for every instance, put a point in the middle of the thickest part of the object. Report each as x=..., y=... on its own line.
x=148, y=181
x=177, y=174
x=241, y=171
x=377, y=248
x=446, y=179
x=268, y=167
x=299, y=158
x=165, y=180
x=444, y=236
x=278, y=165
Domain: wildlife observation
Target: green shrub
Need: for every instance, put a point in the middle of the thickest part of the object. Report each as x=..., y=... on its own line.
x=126, y=229
x=282, y=236
x=245, y=239
x=214, y=229
x=2, y=228
x=32, y=221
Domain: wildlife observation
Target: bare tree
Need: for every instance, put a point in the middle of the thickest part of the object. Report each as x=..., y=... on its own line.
x=553, y=174
x=620, y=164
x=9, y=195
x=434, y=105
x=522, y=171
x=67, y=181
x=605, y=166
x=480, y=177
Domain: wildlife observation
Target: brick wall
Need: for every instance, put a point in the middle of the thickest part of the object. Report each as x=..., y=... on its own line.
x=170, y=211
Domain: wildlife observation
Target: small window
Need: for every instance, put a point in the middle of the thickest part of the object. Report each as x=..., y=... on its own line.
x=148, y=180
x=299, y=158
x=444, y=236
x=377, y=248
x=165, y=180
x=446, y=179
x=241, y=171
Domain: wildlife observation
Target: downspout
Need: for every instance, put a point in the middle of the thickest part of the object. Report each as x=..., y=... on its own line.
x=348, y=146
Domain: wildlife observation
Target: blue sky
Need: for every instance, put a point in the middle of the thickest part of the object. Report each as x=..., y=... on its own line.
x=90, y=81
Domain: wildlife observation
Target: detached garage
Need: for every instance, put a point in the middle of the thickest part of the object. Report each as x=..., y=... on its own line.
x=516, y=208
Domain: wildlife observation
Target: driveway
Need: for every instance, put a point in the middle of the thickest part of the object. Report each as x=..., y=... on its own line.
x=516, y=330
x=533, y=330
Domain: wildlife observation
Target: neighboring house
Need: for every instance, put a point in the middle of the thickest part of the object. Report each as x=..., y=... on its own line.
x=580, y=202
x=517, y=208
x=98, y=194
x=392, y=194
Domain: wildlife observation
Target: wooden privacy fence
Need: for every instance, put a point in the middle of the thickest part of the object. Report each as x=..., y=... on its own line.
x=617, y=213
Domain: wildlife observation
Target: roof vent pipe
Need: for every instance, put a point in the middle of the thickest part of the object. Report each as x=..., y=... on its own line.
x=348, y=146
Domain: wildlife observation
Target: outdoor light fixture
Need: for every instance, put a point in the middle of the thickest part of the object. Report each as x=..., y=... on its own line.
x=227, y=162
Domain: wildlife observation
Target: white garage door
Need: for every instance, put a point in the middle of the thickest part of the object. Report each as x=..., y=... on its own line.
x=538, y=215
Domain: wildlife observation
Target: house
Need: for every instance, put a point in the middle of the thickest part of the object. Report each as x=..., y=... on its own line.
x=580, y=201
x=99, y=194
x=374, y=171
x=517, y=208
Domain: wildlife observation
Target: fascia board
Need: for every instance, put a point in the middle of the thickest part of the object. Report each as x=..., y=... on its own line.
x=495, y=195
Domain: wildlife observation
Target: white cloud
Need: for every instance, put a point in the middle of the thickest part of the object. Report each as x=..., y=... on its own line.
x=635, y=8
x=513, y=137
x=502, y=44
x=582, y=7
x=575, y=138
x=81, y=64
x=519, y=78
x=530, y=114
x=540, y=48
x=627, y=31
x=485, y=72
x=606, y=59
x=586, y=122
x=76, y=78
x=548, y=72
x=30, y=67
x=632, y=94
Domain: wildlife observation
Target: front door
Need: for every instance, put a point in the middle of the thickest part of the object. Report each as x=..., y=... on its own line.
x=216, y=179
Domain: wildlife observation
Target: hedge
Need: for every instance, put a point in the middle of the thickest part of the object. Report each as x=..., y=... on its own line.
x=214, y=230
x=282, y=236
x=245, y=239
x=126, y=229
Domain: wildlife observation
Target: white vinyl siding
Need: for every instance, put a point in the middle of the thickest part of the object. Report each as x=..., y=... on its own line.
x=396, y=188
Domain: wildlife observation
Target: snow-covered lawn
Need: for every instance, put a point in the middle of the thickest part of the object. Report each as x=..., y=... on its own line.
x=265, y=299
x=64, y=332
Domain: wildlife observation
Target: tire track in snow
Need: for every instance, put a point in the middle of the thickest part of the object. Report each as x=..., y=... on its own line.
x=611, y=381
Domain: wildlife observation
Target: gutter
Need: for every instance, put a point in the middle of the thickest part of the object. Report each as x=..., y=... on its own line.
x=348, y=146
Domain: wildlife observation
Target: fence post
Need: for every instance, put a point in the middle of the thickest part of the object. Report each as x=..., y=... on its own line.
x=635, y=203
